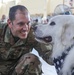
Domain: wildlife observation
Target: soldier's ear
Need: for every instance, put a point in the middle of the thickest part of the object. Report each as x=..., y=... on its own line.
x=9, y=23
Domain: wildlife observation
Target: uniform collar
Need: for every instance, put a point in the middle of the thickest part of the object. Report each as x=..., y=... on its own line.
x=9, y=38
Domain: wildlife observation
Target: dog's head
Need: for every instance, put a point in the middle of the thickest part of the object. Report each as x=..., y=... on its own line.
x=60, y=28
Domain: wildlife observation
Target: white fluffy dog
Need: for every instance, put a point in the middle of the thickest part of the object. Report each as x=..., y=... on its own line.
x=59, y=32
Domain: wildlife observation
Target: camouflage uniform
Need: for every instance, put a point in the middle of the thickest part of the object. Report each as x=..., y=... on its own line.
x=15, y=57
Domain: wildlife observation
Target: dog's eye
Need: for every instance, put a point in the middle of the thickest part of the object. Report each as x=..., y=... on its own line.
x=52, y=23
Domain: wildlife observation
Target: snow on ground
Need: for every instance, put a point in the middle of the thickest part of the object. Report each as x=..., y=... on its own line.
x=47, y=69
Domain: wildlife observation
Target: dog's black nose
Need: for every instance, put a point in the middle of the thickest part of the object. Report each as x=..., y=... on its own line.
x=34, y=28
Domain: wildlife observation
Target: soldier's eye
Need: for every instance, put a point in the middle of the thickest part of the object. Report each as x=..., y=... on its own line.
x=21, y=24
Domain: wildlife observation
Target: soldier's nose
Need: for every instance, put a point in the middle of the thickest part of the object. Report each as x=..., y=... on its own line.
x=25, y=27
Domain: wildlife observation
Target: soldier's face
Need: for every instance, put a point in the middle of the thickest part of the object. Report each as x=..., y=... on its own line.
x=20, y=27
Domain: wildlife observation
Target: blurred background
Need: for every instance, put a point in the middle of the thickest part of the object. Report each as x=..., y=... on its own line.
x=35, y=7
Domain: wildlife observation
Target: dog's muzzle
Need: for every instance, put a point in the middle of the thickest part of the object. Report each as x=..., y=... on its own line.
x=46, y=39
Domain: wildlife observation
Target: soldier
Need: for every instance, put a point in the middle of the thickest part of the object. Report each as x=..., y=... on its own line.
x=3, y=19
x=16, y=43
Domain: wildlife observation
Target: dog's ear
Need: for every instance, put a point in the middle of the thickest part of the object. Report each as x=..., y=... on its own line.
x=67, y=36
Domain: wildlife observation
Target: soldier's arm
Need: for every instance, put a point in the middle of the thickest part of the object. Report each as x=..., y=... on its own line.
x=45, y=51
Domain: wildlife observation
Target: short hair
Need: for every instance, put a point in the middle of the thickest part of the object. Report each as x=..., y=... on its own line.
x=13, y=10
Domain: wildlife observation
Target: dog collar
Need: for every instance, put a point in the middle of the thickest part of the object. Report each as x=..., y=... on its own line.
x=58, y=62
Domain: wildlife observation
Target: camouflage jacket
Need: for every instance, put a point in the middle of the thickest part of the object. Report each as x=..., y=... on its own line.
x=11, y=51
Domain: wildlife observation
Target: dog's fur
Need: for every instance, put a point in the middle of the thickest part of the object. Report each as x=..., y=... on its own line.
x=61, y=29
